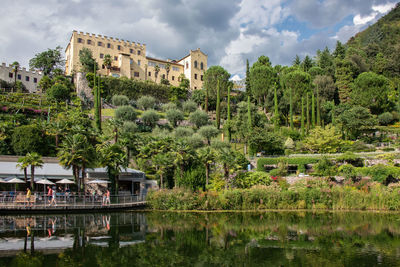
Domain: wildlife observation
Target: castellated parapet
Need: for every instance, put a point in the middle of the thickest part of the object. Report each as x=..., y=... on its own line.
x=29, y=78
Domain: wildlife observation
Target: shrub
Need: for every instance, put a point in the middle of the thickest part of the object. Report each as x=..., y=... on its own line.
x=348, y=171
x=129, y=127
x=58, y=92
x=167, y=106
x=350, y=158
x=196, y=141
x=271, y=161
x=249, y=179
x=125, y=113
x=268, y=142
x=208, y=132
x=146, y=102
x=385, y=118
x=120, y=100
x=183, y=132
x=325, y=167
x=175, y=116
x=381, y=172
x=189, y=106
x=199, y=118
x=150, y=118
x=28, y=138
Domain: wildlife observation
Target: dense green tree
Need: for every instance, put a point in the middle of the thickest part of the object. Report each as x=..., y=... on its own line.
x=107, y=62
x=325, y=61
x=208, y=132
x=296, y=61
x=150, y=117
x=307, y=63
x=58, y=92
x=340, y=50
x=28, y=138
x=34, y=160
x=247, y=81
x=48, y=61
x=218, y=107
x=323, y=140
x=211, y=77
x=325, y=87
x=87, y=61
x=262, y=78
x=299, y=84
x=175, y=116
x=120, y=100
x=15, y=68
x=125, y=113
x=353, y=120
x=276, y=111
x=189, y=106
x=270, y=143
x=344, y=78
x=372, y=91
x=146, y=102
x=199, y=118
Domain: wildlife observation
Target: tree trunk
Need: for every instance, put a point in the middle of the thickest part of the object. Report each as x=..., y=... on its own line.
x=207, y=173
x=56, y=140
x=25, y=175
x=83, y=178
x=32, y=176
x=226, y=175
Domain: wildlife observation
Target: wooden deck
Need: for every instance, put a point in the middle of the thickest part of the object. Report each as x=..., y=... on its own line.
x=12, y=208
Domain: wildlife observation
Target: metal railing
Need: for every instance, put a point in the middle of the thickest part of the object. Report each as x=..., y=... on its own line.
x=68, y=201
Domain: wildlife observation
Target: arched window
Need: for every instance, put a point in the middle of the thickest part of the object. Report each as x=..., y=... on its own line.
x=195, y=63
x=201, y=65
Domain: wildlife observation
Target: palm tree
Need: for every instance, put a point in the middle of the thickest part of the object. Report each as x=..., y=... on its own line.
x=181, y=153
x=206, y=155
x=227, y=158
x=168, y=68
x=156, y=71
x=76, y=152
x=113, y=157
x=23, y=165
x=162, y=162
x=107, y=62
x=15, y=66
x=34, y=160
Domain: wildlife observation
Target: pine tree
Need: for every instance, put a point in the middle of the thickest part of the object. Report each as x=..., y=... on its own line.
x=302, y=117
x=313, y=110
x=276, y=112
x=218, y=116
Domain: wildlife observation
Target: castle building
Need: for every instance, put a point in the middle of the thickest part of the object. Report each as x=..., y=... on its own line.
x=30, y=79
x=129, y=59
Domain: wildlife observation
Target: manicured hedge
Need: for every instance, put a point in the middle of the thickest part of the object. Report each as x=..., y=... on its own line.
x=297, y=161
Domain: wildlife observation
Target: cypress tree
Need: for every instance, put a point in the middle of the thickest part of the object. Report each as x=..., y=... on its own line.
x=99, y=102
x=249, y=123
x=229, y=114
x=218, y=117
x=247, y=82
x=206, y=101
x=302, y=117
x=318, y=110
x=95, y=99
x=308, y=110
x=291, y=109
x=276, y=115
x=313, y=110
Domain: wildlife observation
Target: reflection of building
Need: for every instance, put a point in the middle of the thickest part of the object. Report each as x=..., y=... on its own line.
x=28, y=78
x=129, y=59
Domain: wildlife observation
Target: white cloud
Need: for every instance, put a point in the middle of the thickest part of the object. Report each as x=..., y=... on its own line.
x=361, y=20
x=384, y=8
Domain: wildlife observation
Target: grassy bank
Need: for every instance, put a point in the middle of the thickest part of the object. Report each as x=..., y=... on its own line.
x=316, y=194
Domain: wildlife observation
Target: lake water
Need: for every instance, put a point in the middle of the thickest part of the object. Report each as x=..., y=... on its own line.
x=201, y=239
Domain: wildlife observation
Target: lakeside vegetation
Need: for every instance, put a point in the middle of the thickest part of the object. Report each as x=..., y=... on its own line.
x=338, y=104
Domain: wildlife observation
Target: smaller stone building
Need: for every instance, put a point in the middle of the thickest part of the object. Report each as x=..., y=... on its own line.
x=28, y=78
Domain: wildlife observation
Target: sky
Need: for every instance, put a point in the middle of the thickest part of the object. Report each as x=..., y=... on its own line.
x=228, y=31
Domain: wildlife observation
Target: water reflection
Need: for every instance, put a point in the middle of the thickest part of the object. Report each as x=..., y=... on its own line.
x=201, y=239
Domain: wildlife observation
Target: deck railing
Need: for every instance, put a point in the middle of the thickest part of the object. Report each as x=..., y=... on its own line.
x=68, y=201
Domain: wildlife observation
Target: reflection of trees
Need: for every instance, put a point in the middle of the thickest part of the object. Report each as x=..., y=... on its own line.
x=234, y=239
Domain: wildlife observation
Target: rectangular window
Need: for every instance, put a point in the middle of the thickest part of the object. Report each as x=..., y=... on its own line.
x=201, y=77
x=149, y=73
x=119, y=47
x=89, y=41
x=131, y=51
x=103, y=67
x=173, y=78
x=163, y=76
x=115, y=58
x=108, y=45
x=136, y=74
x=35, y=80
x=138, y=52
x=131, y=61
x=99, y=44
x=19, y=76
x=10, y=74
x=101, y=55
x=195, y=76
x=175, y=68
x=138, y=62
x=27, y=78
x=80, y=40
